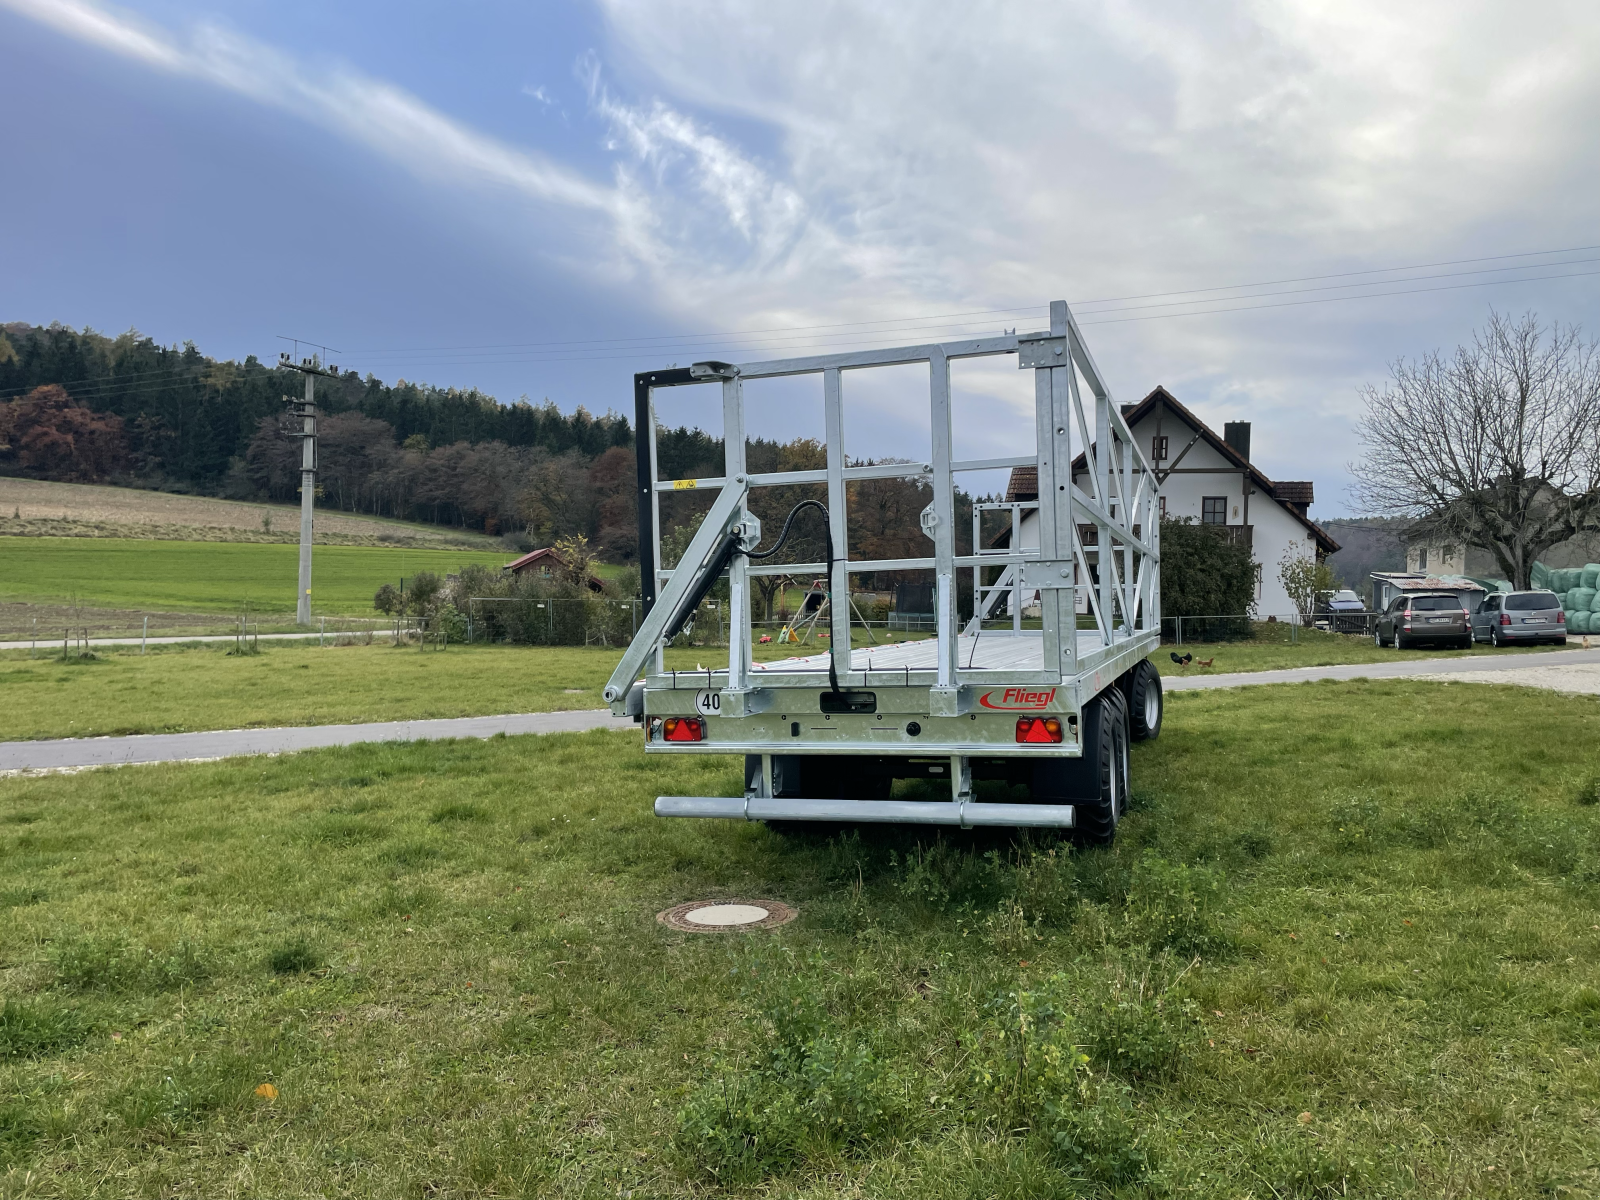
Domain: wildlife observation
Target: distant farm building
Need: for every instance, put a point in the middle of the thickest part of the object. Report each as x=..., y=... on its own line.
x=546, y=565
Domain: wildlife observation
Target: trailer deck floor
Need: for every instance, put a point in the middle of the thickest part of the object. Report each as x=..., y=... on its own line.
x=1003, y=651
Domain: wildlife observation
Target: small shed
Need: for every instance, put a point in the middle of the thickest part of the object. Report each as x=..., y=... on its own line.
x=1386, y=585
x=545, y=564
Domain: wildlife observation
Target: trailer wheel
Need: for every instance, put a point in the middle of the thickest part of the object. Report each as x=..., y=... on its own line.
x=1145, y=703
x=1096, y=784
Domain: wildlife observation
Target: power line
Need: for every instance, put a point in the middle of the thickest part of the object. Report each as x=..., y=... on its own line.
x=907, y=322
x=646, y=348
x=1451, y=287
x=1348, y=274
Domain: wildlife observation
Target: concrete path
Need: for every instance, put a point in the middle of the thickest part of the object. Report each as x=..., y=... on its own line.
x=1582, y=678
x=1435, y=669
x=77, y=753
x=1566, y=670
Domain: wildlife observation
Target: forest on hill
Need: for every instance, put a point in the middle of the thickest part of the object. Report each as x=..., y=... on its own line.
x=78, y=406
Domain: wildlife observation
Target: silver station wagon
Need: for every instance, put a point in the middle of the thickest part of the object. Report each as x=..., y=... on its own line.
x=1520, y=617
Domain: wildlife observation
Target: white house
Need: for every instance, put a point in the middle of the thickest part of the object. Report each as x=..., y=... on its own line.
x=1210, y=479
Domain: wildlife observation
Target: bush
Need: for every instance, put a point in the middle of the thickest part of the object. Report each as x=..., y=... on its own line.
x=1202, y=573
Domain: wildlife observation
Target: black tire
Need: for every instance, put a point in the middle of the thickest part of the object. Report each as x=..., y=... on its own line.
x=1495, y=640
x=818, y=777
x=1145, y=703
x=1400, y=642
x=1096, y=784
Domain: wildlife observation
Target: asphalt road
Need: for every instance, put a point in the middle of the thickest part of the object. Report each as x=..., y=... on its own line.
x=1429, y=668
x=78, y=753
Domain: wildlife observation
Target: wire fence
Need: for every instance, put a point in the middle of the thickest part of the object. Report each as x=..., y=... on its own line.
x=1290, y=627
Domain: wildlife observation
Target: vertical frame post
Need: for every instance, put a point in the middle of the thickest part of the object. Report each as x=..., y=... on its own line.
x=838, y=523
x=944, y=513
x=644, y=456
x=733, y=444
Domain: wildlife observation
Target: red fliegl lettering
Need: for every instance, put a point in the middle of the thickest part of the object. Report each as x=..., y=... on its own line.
x=1016, y=698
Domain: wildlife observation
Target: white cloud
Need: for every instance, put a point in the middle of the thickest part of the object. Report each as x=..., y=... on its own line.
x=974, y=155
x=371, y=112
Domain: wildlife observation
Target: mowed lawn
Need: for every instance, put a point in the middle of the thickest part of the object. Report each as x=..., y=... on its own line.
x=198, y=686
x=1314, y=649
x=195, y=686
x=1345, y=945
x=173, y=690
x=211, y=576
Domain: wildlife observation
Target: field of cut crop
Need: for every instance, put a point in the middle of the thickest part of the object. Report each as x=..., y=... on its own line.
x=1346, y=945
x=218, y=577
x=36, y=508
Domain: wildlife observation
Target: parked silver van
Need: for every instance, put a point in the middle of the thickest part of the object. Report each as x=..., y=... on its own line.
x=1520, y=617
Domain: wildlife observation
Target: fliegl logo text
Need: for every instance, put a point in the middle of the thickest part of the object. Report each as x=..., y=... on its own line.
x=1017, y=698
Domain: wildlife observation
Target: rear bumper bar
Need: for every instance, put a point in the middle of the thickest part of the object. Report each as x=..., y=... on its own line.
x=897, y=812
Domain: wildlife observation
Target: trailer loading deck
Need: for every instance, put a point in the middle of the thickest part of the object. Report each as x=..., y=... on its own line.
x=824, y=736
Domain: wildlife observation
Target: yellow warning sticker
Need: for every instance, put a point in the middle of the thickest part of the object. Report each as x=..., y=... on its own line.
x=683, y=485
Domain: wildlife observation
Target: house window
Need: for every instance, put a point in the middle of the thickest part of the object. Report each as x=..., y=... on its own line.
x=1213, y=510
x=1422, y=559
x=1158, y=447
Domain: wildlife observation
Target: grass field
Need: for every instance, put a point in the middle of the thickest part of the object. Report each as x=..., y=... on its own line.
x=203, y=686
x=1334, y=953
x=35, y=508
x=289, y=683
x=201, y=577
x=192, y=687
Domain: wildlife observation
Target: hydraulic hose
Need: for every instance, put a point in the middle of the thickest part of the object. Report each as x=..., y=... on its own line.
x=827, y=532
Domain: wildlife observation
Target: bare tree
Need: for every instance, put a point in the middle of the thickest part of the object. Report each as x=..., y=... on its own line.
x=1496, y=446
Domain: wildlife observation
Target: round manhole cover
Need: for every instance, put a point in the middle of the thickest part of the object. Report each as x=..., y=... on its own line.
x=726, y=916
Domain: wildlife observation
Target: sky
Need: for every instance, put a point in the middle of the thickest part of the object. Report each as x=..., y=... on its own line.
x=1259, y=205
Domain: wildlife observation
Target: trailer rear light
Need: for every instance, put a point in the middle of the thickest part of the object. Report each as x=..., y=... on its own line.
x=1038, y=729
x=683, y=729
x=1505, y=619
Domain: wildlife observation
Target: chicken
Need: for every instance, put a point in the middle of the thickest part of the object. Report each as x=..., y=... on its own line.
x=1184, y=661
x=1204, y=662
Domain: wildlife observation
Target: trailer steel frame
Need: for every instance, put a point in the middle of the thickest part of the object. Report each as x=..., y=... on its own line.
x=947, y=684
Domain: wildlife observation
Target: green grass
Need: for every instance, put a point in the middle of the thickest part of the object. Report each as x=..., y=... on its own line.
x=434, y=970
x=194, y=686
x=171, y=690
x=1274, y=652
x=202, y=577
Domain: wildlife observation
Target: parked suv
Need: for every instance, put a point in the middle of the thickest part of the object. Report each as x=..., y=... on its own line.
x=1520, y=617
x=1341, y=612
x=1425, y=617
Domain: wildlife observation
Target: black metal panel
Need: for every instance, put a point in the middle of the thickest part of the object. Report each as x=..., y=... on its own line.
x=642, y=383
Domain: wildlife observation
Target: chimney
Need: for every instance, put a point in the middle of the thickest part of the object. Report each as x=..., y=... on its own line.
x=1237, y=435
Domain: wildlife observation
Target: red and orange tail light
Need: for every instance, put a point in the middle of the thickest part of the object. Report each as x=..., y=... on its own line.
x=683, y=729
x=1038, y=729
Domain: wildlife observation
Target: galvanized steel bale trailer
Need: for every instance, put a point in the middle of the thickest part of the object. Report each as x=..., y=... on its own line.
x=825, y=735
